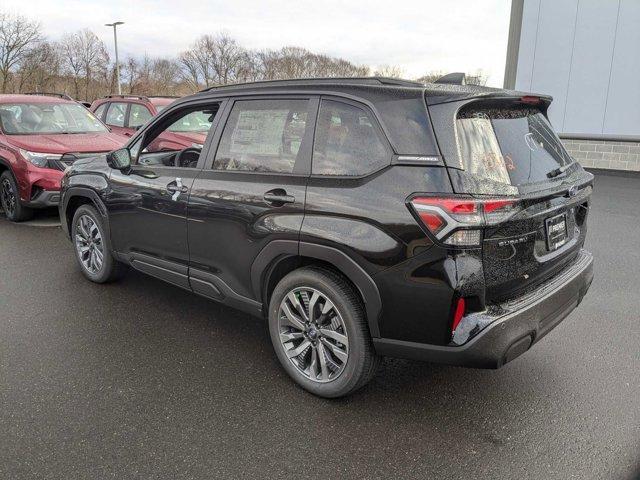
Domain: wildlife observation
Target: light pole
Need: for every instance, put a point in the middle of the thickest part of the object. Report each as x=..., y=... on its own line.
x=115, y=41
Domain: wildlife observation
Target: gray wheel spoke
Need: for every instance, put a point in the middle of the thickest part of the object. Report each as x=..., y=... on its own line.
x=323, y=362
x=313, y=365
x=340, y=354
x=295, y=301
x=287, y=337
x=294, y=352
x=338, y=337
x=312, y=306
x=293, y=319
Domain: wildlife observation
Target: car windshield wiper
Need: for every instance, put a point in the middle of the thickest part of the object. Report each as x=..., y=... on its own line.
x=559, y=171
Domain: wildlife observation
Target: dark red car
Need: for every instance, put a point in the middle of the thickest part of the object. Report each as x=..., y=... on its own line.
x=40, y=137
x=125, y=114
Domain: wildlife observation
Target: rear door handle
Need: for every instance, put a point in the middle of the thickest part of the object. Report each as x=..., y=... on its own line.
x=278, y=197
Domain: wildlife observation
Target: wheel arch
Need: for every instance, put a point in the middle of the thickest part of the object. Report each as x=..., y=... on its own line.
x=73, y=198
x=281, y=257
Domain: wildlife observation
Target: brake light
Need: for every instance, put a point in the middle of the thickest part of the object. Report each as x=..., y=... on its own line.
x=458, y=314
x=530, y=100
x=458, y=220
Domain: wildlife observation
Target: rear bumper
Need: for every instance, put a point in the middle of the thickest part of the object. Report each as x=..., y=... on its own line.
x=511, y=328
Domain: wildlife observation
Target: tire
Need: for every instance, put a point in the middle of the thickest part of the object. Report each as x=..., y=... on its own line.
x=10, y=199
x=349, y=365
x=89, y=238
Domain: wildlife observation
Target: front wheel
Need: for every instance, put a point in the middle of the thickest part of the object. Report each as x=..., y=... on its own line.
x=92, y=246
x=10, y=199
x=319, y=331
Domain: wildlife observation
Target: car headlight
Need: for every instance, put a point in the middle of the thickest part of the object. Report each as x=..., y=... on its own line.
x=39, y=159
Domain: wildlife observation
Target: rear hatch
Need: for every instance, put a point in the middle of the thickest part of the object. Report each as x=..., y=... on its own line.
x=505, y=148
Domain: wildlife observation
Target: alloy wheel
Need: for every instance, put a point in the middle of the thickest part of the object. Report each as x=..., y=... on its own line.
x=313, y=334
x=89, y=245
x=8, y=197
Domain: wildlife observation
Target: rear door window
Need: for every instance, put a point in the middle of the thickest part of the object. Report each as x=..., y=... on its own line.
x=515, y=146
x=116, y=114
x=348, y=141
x=138, y=115
x=263, y=136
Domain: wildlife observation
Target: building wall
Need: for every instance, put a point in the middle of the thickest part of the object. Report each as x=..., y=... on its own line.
x=586, y=54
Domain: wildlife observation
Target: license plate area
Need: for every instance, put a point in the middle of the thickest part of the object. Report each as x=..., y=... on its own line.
x=556, y=230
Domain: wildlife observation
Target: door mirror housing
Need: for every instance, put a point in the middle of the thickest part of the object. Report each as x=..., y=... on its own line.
x=119, y=159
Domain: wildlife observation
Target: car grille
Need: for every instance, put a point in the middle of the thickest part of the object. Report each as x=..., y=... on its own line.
x=69, y=158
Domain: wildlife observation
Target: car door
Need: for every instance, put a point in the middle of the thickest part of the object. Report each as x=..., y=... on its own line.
x=250, y=193
x=116, y=117
x=148, y=203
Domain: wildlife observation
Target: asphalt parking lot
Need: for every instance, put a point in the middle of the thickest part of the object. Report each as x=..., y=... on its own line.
x=140, y=379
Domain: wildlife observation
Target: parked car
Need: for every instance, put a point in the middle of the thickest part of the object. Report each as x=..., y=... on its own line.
x=40, y=136
x=125, y=114
x=363, y=217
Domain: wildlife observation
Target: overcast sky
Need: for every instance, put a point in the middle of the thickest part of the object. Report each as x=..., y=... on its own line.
x=419, y=36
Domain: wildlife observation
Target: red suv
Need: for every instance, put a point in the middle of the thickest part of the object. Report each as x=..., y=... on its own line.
x=125, y=114
x=40, y=136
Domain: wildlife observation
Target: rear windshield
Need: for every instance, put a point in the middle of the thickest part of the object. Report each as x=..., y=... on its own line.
x=515, y=145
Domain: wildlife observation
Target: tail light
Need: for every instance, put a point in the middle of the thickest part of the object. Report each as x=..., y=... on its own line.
x=458, y=221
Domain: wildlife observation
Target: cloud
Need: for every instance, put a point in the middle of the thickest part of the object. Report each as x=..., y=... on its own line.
x=419, y=36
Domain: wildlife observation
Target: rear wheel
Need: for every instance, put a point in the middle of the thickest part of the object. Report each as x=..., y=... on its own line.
x=92, y=246
x=10, y=199
x=319, y=331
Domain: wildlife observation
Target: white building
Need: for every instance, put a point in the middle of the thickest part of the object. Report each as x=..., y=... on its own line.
x=586, y=54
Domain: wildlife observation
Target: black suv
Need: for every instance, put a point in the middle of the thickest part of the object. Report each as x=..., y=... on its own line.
x=363, y=217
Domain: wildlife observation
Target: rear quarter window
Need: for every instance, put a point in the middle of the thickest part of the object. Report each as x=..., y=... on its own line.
x=348, y=141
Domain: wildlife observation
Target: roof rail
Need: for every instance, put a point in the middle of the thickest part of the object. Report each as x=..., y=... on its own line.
x=50, y=94
x=320, y=80
x=456, y=78
x=117, y=95
x=163, y=96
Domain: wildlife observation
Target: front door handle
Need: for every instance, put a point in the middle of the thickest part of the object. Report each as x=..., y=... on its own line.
x=176, y=187
x=278, y=197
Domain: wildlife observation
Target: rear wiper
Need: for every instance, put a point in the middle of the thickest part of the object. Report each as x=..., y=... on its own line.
x=559, y=171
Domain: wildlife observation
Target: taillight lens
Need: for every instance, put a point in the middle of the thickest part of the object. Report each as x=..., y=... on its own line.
x=458, y=221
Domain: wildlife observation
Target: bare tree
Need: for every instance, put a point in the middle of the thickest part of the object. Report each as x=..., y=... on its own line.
x=40, y=68
x=390, y=71
x=18, y=35
x=85, y=58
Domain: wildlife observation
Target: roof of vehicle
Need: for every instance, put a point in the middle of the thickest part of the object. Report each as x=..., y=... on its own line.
x=434, y=92
x=24, y=98
x=162, y=100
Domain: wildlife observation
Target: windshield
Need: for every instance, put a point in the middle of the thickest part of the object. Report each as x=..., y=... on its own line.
x=515, y=146
x=198, y=121
x=48, y=118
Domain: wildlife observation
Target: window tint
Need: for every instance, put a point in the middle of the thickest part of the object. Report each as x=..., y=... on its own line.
x=100, y=110
x=138, y=115
x=115, y=114
x=515, y=146
x=263, y=136
x=347, y=141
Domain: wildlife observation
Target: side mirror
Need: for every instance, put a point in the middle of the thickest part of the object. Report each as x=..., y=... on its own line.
x=119, y=159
